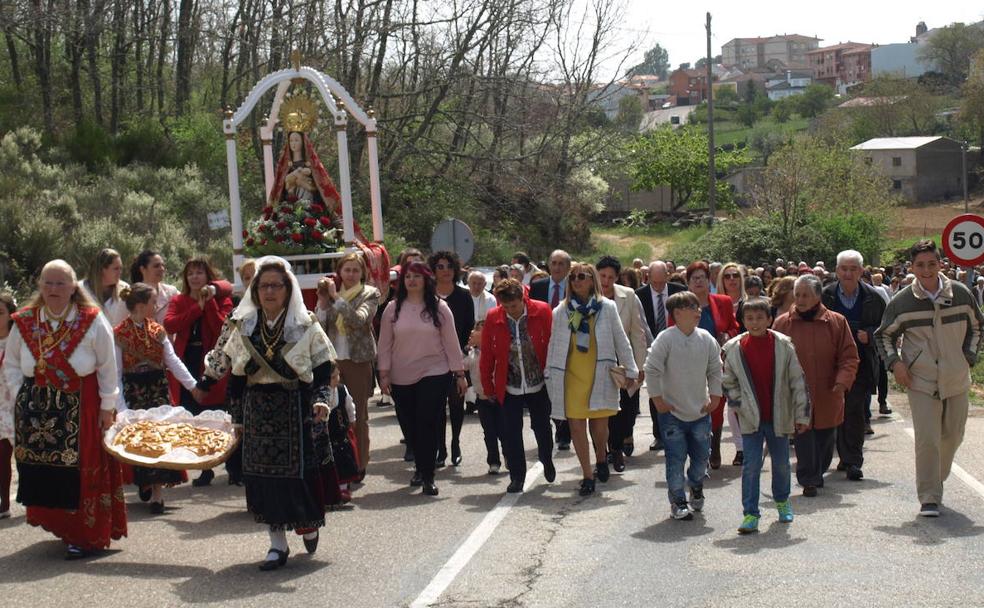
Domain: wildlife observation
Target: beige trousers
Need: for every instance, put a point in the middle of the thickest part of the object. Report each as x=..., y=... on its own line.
x=939, y=430
x=357, y=378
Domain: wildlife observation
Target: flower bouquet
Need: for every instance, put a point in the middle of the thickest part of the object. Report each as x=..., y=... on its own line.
x=293, y=227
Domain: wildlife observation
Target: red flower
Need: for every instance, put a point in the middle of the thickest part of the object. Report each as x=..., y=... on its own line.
x=291, y=199
x=250, y=242
x=268, y=210
x=325, y=220
x=279, y=238
x=245, y=233
x=310, y=221
x=297, y=238
x=261, y=228
x=286, y=210
x=316, y=208
x=267, y=216
x=317, y=235
x=281, y=225
x=263, y=242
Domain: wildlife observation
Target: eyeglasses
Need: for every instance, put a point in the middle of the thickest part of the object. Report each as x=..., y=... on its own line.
x=581, y=276
x=732, y=275
x=270, y=286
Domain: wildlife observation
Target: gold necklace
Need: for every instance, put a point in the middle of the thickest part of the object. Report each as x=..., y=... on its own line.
x=53, y=339
x=146, y=333
x=274, y=334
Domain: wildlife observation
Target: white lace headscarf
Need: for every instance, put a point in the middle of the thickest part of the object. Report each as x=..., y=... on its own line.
x=298, y=318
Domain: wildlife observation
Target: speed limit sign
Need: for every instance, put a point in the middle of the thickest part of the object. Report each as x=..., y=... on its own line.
x=963, y=240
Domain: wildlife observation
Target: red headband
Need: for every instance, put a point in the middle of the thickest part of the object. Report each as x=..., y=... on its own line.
x=419, y=268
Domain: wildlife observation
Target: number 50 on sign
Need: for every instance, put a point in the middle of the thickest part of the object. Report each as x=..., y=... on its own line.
x=963, y=240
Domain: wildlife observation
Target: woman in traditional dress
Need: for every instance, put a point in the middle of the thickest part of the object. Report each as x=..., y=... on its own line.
x=7, y=308
x=60, y=362
x=280, y=362
x=104, y=283
x=195, y=317
x=347, y=314
x=143, y=352
x=148, y=267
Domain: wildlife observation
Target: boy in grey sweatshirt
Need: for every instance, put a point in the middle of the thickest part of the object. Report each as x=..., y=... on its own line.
x=683, y=376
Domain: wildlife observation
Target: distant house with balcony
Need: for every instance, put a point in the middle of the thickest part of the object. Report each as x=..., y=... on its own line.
x=842, y=65
x=922, y=169
x=768, y=53
x=780, y=86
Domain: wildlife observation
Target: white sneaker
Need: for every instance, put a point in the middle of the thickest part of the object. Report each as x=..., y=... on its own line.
x=929, y=509
x=494, y=469
x=680, y=510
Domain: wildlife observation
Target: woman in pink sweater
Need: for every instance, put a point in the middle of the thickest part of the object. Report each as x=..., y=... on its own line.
x=418, y=351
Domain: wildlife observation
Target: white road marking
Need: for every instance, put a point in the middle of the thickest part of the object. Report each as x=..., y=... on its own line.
x=473, y=543
x=957, y=470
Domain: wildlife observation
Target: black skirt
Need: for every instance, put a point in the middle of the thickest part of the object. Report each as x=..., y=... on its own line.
x=281, y=464
x=144, y=390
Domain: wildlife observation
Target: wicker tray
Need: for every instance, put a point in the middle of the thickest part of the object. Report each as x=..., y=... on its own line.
x=180, y=459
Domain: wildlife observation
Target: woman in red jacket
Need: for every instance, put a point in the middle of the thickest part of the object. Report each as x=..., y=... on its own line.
x=195, y=317
x=717, y=316
x=512, y=360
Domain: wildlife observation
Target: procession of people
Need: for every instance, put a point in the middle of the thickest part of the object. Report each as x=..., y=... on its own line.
x=575, y=345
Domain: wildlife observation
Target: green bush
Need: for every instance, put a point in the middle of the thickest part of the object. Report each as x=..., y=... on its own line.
x=145, y=141
x=90, y=145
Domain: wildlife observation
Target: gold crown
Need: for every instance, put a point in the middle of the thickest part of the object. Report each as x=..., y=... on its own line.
x=299, y=113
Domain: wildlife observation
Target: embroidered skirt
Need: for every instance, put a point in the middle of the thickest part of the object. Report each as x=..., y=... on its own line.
x=282, y=460
x=70, y=485
x=142, y=391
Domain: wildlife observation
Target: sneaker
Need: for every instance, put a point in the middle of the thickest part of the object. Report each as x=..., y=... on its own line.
x=680, y=510
x=785, y=512
x=749, y=525
x=656, y=446
x=929, y=509
x=697, y=498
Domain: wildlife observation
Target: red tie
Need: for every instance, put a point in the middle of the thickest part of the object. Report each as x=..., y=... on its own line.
x=555, y=298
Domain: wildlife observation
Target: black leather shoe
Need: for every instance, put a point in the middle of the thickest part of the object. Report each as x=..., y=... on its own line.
x=312, y=545
x=145, y=493
x=430, y=489
x=455, y=455
x=272, y=564
x=884, y=410
x=157, y=508
x=515, y=486
x=854, y=473
x=587, y=487
x=73, y=552
x=440, y=464
x=235, y=481
x=602, y=472
x=549, y=472
x=739, y=459
x=205, y=479
x=416, y=480
x=563, y=446
x=628, y=447
x=809, y=491
x=841, y=466
x=408, y=455
x=867, y=428
x=619, y=462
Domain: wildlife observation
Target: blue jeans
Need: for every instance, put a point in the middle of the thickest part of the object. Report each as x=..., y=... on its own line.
x=682, y=439
x=751, y=469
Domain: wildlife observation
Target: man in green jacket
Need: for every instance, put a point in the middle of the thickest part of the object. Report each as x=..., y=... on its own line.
x=939, y=324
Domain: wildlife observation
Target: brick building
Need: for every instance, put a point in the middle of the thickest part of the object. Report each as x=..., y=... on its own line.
x=770, y=53
x=841, y=65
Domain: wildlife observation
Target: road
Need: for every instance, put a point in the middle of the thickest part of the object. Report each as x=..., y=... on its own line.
x=857, y=543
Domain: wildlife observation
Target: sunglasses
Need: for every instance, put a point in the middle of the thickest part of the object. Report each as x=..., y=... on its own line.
x=442, y=266
x=732, y=275
x=581, y=276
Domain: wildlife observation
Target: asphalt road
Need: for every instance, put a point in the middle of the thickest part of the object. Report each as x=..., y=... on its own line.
x=858, y=544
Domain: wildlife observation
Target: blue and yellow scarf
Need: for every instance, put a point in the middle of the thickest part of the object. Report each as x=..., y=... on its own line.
x=579, y=317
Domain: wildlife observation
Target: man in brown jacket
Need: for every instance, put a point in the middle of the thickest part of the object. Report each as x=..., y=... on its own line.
x=829, y=357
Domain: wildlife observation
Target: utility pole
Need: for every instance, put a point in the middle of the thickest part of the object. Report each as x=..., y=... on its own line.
x=963, y=177
x=711, y=176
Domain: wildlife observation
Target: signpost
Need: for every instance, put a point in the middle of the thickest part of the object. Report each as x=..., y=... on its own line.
x=454, y=235
x=963, y=242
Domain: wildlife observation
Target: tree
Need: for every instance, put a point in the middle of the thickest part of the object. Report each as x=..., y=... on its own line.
x=972, y=107
x=813, y=100
x=746, y=115
x=655, y=61
x=782, y=110
x=678, y=159
x=702, y=62
x=630, y=113
x=951, y=48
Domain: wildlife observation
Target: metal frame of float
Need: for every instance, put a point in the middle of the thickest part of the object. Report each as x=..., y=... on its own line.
x=340, y=105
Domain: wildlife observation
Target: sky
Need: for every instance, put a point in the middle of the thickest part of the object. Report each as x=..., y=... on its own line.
x=679, y=26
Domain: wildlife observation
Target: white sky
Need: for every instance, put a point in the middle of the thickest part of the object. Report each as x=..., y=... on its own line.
x=679, y=26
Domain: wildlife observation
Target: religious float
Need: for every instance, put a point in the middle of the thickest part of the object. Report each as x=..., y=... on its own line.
x=305, y=218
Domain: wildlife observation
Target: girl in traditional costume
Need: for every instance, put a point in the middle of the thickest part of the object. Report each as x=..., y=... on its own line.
x=143, y=353
x=60, y=362
x=280, y=361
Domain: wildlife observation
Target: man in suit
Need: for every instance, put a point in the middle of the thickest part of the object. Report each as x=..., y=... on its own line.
x=553, y=290
x=653, y=299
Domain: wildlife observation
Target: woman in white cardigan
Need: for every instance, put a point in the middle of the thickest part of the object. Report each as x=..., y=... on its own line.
x=586, y=341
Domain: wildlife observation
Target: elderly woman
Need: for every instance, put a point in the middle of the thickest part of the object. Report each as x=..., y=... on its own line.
x=347, y=312
x=148, y=267
x=8, y=306
x=419, y=354
x=482, y=300
x=281, y=363
x=195, y=318
x=586, y=341
x=829, y=358
x=717, y=317
x=104, y=284
x=60, y=362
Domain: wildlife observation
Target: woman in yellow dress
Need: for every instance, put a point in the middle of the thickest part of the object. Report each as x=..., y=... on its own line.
x=586, y=341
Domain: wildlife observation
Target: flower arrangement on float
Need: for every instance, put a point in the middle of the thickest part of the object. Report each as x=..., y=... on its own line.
x=292, y=227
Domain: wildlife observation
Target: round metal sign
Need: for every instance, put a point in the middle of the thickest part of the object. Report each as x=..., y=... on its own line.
x=963, y=240
x=454, y=235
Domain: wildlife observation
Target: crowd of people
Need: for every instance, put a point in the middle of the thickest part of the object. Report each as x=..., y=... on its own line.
x=789, y=353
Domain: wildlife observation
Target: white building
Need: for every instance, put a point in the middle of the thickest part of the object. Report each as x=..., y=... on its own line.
x=785, y=85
